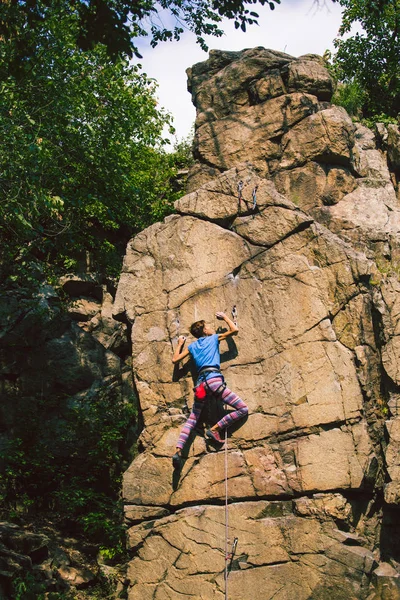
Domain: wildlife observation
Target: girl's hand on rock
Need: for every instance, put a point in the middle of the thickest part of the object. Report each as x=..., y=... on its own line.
x=221, y=316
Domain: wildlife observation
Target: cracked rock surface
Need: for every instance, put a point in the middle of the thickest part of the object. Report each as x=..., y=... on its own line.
x=313, y=473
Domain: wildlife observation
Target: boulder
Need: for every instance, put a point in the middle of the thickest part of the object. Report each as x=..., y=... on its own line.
x=327, y=136
x=315, y=185
x=218, y=199
x=253, y=134
x=78, y=578
x=369, y=213
x=386, y=581
x=276, y=550
x=82, y=285
x=223, y=81
x=83, y=309
x=309, y=74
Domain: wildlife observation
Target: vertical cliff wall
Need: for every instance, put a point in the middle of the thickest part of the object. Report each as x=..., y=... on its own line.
x=314, y=474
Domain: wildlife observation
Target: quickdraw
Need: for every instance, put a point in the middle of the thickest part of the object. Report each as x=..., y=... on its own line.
x=234, y=314
x=231, y=555
x=254, y=196
x=202, y=378
x=249, y=205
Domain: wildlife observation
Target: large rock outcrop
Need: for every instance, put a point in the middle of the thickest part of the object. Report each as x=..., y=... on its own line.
x=313, y=474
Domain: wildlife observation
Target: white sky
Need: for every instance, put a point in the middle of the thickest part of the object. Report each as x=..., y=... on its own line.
x=296, y=27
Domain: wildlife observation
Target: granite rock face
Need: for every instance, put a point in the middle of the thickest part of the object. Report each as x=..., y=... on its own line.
x=313, y=473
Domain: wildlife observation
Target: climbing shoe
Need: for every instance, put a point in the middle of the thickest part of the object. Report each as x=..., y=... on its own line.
x=177, y=461
x=214, y=435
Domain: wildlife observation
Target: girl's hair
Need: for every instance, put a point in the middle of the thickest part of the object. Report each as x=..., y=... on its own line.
x=196, y=329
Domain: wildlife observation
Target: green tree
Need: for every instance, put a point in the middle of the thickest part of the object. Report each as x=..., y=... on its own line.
x=116, y=23
x=82, y=163
x=368, y=62
x=66, y=456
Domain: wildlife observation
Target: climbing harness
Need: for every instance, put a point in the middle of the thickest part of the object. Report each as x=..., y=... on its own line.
x=249, y=205
x=202, y=376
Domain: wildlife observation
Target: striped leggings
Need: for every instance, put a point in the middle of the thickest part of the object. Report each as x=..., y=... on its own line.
x=228, y=397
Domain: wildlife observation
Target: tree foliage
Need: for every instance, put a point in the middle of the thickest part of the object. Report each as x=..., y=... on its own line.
x=117, y=23
x=67, y=456
x=82, y=164
x=369, y=60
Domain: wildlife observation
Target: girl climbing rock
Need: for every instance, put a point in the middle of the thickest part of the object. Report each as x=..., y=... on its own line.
x=205, y=353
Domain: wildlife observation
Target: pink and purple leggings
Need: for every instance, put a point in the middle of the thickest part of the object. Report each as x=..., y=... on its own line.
x=228, y=397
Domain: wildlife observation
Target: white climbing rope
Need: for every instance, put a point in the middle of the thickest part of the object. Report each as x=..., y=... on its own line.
x=226, y=514
x=229, y=556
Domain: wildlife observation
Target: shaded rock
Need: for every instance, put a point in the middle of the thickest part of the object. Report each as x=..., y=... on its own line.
x=252, y=134
x=324, y=507
x=136, y=513
x=27, y=321
x=47, y=567
x=224, y=79
x=82, y=285
x=313, y=185
x=83, y=309
x=367, y=214
x=350, y=539
x=381, y=135
x=79, y=578
x=327, y=136
x=218, y=201
x=392, y=455
x=339, y=183
x=111, y=334
x=23, y=542
x=393, y=146
x=309, y=74
x=74, y=362
x=12, y=562
x=387, y=583
x=269, y=86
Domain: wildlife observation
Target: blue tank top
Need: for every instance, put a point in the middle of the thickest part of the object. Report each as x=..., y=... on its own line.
x=205, y=353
